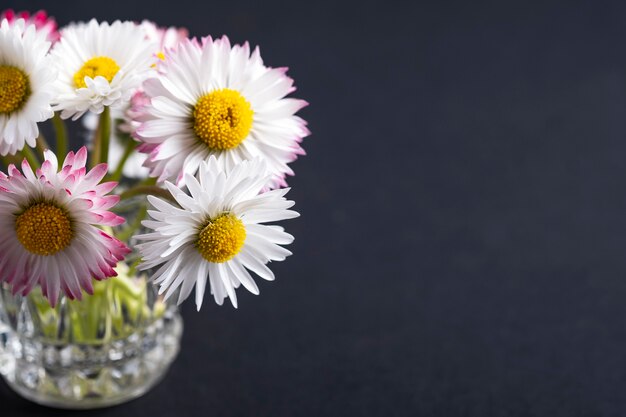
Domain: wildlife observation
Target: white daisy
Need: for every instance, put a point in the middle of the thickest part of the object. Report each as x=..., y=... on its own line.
x=214, y=99
x=217, y=232
x=25, y=85
x=164, y=37
x=99, y=65
x=48, y=224
x=41, y=20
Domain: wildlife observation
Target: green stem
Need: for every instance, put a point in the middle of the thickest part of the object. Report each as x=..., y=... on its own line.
x=118, y=307
x=132, y=268
x=103, y=137
x=95, y=147
x=128, y=150
x=61, y=135
x=146, y=190
x=42, y=144
x=10, y=159
x=105, y=134
x=30, y=156
x=128, y=231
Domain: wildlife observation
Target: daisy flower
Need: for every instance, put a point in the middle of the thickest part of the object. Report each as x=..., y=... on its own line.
x=99, y=65
x=25, y=85
x=48, y=224
x=41, y=20
x=163, y=38
x=214, y=99
x=128, y=117
x=216, y=233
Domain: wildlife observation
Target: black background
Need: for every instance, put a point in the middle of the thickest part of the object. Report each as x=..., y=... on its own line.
x=461, y=245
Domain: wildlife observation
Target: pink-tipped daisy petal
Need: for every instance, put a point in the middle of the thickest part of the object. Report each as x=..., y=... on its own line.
x=52, y=238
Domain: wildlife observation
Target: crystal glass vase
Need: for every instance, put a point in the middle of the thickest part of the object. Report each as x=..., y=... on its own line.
x=106, y=349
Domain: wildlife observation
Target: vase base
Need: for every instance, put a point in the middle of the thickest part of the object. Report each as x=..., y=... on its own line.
x=75, y=376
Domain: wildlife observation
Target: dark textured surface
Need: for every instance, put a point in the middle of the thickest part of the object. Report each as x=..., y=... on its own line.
x=461, y=245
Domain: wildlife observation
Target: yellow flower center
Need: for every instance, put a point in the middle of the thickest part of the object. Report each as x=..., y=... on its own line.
x=99, y=66
x=221, y=238
x=160, y=56
x=14, y=89
x=44, y=229
x=222, y=119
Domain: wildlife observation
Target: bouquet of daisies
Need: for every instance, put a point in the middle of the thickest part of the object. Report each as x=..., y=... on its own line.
x=200, y=128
